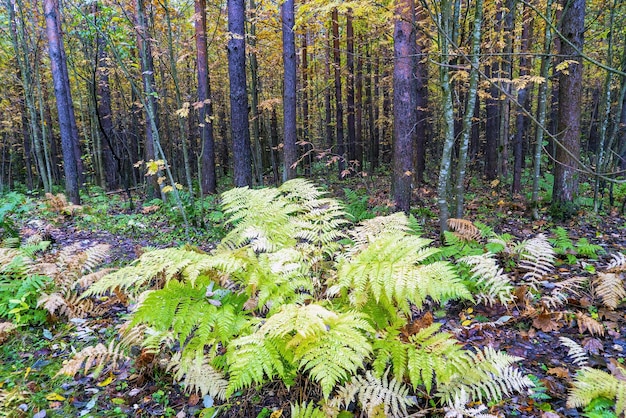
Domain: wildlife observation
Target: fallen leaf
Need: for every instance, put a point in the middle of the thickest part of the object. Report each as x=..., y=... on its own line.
x=560, y=372
x=277, y=414
x=106, y=382
x=54, y=397
x=593, y=345
x=193, y=400
x=546, y=323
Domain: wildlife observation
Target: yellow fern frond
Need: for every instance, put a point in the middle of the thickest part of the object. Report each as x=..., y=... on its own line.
x=308, y=411
x=591, y=384
x=100, y=356
x=464, y=229
x=610, y=288
x=198, y=375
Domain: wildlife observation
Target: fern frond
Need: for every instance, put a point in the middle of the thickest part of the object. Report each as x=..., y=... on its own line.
x=575, y=351
x=370, y=229
x=153, y=269
x=562, y=291
x=464, y=229
x=198, y=375
x=591, y=384
x=537, y=257
x=617, y=264
x=372, y=392
x=389, y=267
x=561, y=242
x=491, y=281
x=610, y=288
x=458, y=408
x=100, y=356
x=306, y=411
x=587, y=323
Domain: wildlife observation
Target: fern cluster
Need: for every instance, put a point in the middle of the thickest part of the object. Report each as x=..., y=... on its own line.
x=292, y=291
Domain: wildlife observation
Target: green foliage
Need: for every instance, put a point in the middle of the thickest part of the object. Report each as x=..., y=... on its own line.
x=564, y=245
x=306, y=411
x=20, y=288
x=12, y=205
x=357, y=206
x=280, y=297
x=591, y=384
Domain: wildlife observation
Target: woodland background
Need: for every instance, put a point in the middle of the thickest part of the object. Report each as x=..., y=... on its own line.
x=246, y=93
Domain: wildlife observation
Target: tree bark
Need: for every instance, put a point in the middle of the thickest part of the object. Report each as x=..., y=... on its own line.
x=55, y=50
x=239, y=124
x=351, y=127
x=338, y=96
x=565, y=188
x=290, y=148
x=403, y=104
x=208, y=179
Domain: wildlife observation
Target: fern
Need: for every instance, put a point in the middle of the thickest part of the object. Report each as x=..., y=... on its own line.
x=537, y=257
x=617, y=264
x=458, y=408
x=561, y=242
x=464, y=229
x=610, y=288
x=99, y=356
x=587, y=249
x=304, y=338
x=562, y=291
x=575, y=351
x=306, y=411
x=375, y=395
x=591, y=384
x=198, y=375
x=389, y=267
x=491, y=282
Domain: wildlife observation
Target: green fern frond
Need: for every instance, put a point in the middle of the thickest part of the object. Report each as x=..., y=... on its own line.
x=152, y=270
x=388, y=267
x=306, y=411
x=587, y=249
x=389, y=351
x=575, y=351
x=561, y=242
x=491, y=281
x=484, y=375
x=591, y=384
x=389, y=396
x=198, y=375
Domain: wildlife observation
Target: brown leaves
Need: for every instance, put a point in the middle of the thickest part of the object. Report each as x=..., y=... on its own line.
x=587, y=323
x=548, y=321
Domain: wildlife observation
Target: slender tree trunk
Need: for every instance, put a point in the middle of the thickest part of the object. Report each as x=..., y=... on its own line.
x=55, y=48
x=257, y=145
x=208, y=179
x=420, y=71
x=403, y=104
x=338, y=96
x=448, y=117
x=565, y=188
x=469, y=109
x=289, y=91
x=239, y=124
x=306, y=128
x=358, y=112
x=351, y=127
x=522, y=99
x=542, y=104
x=327, y=99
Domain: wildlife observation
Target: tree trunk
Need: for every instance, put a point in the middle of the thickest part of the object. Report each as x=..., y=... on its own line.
x=239, y=124
x=403, y=104
x=351, y=135
x=208, y=179
x=338, y=97
x=55, y=49
x=420, y=71
x=289, y=91
x=257, y=155
x=565, y=188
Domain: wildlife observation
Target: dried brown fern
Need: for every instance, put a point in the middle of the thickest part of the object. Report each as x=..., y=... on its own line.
x=587, y=323
x=610, y=288
x=99, y=356
x=464, y=229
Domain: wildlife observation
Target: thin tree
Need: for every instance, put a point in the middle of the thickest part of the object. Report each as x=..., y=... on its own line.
x=205, y=113
x=55, y=50
x=403, y=104
x=239, y=124
x=338, y=96
x=290, y=148
x=565, y=187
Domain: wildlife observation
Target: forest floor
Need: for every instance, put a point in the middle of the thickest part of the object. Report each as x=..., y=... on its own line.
x=30, y=357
